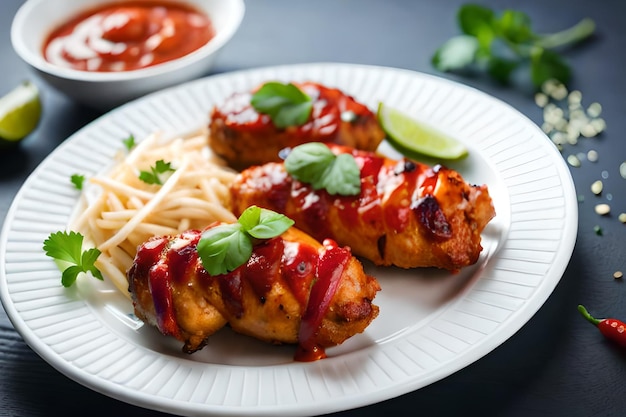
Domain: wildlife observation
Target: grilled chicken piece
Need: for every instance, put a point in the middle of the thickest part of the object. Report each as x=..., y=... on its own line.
x=243, y=137
x=407, y=214
x=292, y=290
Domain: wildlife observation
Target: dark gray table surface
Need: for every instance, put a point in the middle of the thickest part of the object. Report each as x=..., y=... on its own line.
x=557, y=364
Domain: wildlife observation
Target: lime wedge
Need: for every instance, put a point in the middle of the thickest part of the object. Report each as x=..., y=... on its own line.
x=20, y=110
x=414, y=139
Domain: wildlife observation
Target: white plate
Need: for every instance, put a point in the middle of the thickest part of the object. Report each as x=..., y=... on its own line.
x=431, y=323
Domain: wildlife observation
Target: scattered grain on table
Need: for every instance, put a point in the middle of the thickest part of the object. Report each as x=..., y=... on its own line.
x=602, y=209
x=596, y=187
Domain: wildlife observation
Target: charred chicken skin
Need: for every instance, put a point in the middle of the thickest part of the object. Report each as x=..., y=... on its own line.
x=292, y=290
x=407, y=214
x=243, y=137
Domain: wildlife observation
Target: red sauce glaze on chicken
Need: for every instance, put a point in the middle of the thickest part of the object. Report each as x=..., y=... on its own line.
x=292, y=290
x=407, y=214
x=244, y=137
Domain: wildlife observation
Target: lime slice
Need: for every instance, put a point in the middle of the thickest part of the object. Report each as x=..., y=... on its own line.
x=20, y=110
x=414, y=139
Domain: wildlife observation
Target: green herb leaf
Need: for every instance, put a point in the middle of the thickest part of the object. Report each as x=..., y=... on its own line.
x=78, y=181
x=474, y=18
x=157, y=174
x=343, y=177
x=499, y=44
x=546, y=65
x=269, y=225
x=226, y=247
x=309, y=161
x=315, y=164
x=456, y=53
x=250, y=218
x=129, y=142
x=477, y=21
x=500, y=68
x=286, y=104
x=67, y=248
x=515, y=26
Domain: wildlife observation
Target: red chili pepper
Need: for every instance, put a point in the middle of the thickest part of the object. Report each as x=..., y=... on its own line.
x=612, y=329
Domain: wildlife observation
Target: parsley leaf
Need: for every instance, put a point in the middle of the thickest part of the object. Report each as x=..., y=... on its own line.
x=226, y=247
x=157, y=174
x=78, y=181
x=315, y=164
x=501, y=43
x=67, y=249
x=286, y=104
x=129, y=142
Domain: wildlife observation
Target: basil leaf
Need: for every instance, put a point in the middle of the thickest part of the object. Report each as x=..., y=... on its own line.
x=343, y=176
x=224, y=248
x=286, y=104
x=308, y=162
x=250, y=217
x=271, y=224
x=314, y=163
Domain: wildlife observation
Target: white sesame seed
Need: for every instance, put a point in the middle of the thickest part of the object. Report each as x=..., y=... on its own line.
x=622, y=170
x=618, y=274
x=541, y=99
x=588, y=130
x=592, y=156
x=560, y=92
x=602, y=209
x=573, y=161
x=547, y=127
x=596, y=187
x=575, y=97
x=558, y=138
x=622, y=217
x=549, y=86
x=598, y=124
x=594, y=109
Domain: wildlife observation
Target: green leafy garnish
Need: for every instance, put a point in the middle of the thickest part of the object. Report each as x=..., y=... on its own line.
x=315, y=164
x=158, y=173
x=226, y=247
x=501, y=43
x=129, y=142
x=286, y=104
x=78, y=181
x=67, y=249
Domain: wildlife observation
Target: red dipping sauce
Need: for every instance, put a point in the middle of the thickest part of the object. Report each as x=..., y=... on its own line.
x=126, y=36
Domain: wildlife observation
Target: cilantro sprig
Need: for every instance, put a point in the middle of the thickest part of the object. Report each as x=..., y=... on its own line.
x=78, y=180
x=67, y=249
x=226, y=247
x=315, y=164
x=158, y=173
x=501, y=43
x=286, y=104
x=129, y=142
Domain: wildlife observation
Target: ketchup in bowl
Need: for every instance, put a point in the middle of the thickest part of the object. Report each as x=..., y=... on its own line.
x=128, y=36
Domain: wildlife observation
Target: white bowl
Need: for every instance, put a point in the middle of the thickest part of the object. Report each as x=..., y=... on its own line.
x=105, y=90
